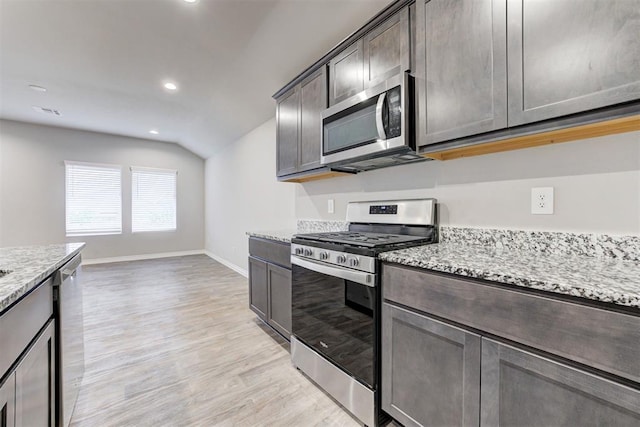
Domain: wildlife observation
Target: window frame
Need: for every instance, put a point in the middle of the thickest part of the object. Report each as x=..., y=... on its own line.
x=164, y=171
x=72, y=163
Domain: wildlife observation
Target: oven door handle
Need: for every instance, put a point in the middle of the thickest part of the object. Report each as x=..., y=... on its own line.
x=361, y=277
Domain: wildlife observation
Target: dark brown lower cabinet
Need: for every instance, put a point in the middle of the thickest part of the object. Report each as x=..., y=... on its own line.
x=436, y=374
x=279, y=313
x=544, y=361
x=430, y=370
x=35, y=383
x=523, y=389
x=270, y=283
x=258, y=287
x=8, y=401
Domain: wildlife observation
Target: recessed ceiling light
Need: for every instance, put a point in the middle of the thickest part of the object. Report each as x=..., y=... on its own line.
x=190, y=1
x=154, y=132
x=38, y=88
x=170, y=86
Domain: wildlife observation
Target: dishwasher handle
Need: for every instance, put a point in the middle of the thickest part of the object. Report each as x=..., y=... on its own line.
x=66, y=274
x=68, y=270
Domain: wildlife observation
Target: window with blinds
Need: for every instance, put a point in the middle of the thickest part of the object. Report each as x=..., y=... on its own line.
x=93, y=199
x=153, y=199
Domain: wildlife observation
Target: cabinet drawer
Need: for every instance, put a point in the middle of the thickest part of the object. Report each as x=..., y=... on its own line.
x=271, y=251
x=21, y=323
x=518, y=387
x=606, y=340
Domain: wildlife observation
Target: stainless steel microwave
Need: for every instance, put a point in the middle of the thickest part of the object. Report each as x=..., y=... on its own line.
x=372, y=129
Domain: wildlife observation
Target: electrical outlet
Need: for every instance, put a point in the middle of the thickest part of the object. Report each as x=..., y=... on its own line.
x=542, y=201
x=331, y=208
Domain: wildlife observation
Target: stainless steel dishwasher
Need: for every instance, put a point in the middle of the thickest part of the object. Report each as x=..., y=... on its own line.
x=68, y=311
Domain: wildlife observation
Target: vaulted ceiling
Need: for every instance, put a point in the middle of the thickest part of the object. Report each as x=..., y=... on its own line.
x=104, y=62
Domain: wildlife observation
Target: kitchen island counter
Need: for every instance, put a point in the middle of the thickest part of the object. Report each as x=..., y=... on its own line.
x=27, y=266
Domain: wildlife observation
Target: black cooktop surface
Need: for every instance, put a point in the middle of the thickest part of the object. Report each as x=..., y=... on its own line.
x=364, y=239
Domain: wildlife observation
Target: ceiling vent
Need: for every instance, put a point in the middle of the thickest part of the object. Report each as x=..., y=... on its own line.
x=47, y=110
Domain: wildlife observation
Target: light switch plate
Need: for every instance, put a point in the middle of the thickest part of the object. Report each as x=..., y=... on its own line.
x=542, y=201
x=331, y=208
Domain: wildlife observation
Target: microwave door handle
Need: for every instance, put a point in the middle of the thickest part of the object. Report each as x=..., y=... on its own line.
x=379, y=123
x=361, y=277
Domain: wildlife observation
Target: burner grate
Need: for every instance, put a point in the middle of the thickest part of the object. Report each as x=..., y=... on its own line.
x=372, y=240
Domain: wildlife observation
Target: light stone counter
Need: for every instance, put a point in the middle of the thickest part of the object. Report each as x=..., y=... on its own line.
x=30, y=265
x=277, y=235
x=303, y=226
x=607, y=279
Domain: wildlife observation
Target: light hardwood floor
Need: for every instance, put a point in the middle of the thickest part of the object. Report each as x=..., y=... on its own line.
x=172, y=342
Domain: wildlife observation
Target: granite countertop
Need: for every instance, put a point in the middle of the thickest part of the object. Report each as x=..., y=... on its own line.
x=278, y=235
x=28, y=266
x=303, y=226
x=597, y=278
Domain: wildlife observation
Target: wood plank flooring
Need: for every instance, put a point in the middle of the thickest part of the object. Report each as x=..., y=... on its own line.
x=172, y=342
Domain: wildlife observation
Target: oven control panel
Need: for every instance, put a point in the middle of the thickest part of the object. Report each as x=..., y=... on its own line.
x=383, y=210
x=342, y=259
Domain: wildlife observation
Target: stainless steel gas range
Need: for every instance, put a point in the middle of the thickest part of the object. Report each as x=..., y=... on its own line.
x=336, y=298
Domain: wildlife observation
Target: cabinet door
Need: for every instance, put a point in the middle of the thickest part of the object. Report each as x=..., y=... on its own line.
x=35, y=383
x=461, y=68
x=345, y=73
x=430, y=370
x=313, y=101
x=258, y=288
x=523, y=389
x=280, y=299
x=571, y=56
x=8, y=401
x=287, y=137
x=386, y=49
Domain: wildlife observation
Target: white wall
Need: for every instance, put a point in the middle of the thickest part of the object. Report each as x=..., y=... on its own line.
x=242, y=194
x=32, y=188
x=596, y=182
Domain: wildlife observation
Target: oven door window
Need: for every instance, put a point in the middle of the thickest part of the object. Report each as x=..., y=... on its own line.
x=334, y=316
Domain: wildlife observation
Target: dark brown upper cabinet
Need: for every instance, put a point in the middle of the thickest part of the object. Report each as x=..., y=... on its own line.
x=346, y=74
x=313, y=101
x=490, y=76
x=372, y=54
x=287, y=130
x=565, y=59
x=461, y=68
x=386, y=50
x=382, y=52
x=298, y=118
x=489, y=65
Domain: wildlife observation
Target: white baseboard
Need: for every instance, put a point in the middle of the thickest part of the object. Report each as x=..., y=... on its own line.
x=229, y=264
x=140, y=257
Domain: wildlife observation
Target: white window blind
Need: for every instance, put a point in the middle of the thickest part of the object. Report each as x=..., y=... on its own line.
x=153, y=199
x=93, y=199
